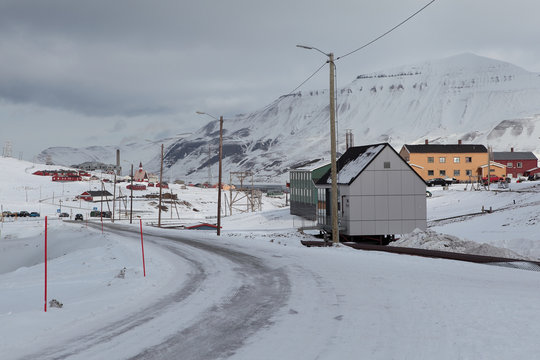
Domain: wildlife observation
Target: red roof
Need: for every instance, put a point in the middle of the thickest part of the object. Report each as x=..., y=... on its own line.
x=203, y=226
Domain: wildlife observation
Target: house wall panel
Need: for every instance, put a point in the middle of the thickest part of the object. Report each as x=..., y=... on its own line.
x=381, y=207
x=394, y=182
x=395, y=208
x=367, y=204
x=381, y=183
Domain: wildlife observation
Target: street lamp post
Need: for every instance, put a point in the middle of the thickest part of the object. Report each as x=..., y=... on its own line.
x=333, y=166
x=218, y=232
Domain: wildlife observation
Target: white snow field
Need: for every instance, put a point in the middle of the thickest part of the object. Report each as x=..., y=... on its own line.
x=256, y=292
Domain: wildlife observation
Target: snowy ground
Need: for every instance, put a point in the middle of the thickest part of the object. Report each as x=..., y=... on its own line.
x=255, y=292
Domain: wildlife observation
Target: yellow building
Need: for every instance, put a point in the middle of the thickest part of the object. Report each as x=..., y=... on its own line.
x=459, y=161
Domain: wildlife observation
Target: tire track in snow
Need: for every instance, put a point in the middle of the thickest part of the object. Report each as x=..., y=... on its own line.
x=217, y=331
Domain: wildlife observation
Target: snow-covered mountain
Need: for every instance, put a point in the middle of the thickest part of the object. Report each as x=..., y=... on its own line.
x=465, y=97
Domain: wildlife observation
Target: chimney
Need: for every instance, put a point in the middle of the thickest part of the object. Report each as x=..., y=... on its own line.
x=511, y=149
x=349, y=139
x=118, y=162
x=459, y=142
x=427, y=142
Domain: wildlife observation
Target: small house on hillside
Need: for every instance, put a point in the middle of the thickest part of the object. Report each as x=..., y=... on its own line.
x=96, y=196
x=304, y=194
x=518, y=163
x=379, y=194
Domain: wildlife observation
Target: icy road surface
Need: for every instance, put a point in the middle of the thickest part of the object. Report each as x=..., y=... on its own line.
x=227, y=296
x=262, y=296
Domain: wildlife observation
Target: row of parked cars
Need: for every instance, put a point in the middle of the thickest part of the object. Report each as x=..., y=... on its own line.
x=20, y=214
x=65, y=215
x=448, y=181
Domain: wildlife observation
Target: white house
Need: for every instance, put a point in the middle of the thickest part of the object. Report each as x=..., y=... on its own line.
x=379, y=194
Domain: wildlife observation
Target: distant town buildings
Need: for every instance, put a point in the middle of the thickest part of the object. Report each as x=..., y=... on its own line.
x=459, y=161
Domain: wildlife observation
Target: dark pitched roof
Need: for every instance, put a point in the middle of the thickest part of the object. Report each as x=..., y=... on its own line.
x=98, y=193
x=513, y=155
x=359, y=157
x=446, y=148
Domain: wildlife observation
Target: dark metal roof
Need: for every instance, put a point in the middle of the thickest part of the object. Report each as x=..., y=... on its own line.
x=99, y=193
x=350, y=155
x=354, y=153
x=446, y=148
x=513, y=155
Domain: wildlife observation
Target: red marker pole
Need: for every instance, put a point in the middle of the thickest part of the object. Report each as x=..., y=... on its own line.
x=45, y=306
x=142, y=247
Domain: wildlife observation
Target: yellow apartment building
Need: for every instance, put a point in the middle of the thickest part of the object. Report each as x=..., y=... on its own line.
x=459, y=161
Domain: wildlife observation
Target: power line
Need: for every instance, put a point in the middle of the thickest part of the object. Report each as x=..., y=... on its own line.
x=352, y=52
x=296, y=88
x=388, y=32
x=305, y=81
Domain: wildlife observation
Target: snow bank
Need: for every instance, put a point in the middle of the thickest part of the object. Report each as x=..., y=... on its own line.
x=432, y=240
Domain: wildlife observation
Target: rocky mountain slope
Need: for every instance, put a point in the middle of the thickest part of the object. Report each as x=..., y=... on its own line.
x=467, y=97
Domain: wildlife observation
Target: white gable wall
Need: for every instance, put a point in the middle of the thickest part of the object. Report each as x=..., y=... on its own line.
x=382, y=200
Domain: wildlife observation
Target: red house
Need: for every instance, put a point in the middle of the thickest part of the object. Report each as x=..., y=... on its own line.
x=136, y=187
x=96, y=196
x=66, y=177
x=517, y=162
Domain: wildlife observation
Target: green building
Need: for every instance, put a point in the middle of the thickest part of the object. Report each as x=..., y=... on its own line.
x=304, y=199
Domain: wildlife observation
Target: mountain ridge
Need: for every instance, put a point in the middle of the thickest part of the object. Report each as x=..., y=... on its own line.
x=463, y=97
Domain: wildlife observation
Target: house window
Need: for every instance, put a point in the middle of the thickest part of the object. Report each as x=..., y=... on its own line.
x=491, y=170
x=456, y=173
x=456, y=160
x=509, y=165
x=430, y=159
x=468, y=159
x=387, y=164
x=430, y=172
x=442, y=172
x=442, y=159
x=519, y=165
x=468, y=172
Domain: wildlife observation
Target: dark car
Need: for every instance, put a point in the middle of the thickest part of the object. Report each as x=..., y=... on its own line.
x=63, y=215
x=34, y=214
x=438, y=181
x=24, y=213
x=79, y=217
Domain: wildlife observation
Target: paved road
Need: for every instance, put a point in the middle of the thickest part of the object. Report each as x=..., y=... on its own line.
x=254, y=291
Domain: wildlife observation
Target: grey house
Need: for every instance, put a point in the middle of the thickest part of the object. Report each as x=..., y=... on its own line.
x=379, y=194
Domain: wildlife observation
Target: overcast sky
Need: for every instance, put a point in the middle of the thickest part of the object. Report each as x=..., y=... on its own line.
x=105, y=72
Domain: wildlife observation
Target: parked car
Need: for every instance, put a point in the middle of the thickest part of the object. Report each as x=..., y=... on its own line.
x=63, y=215
x=438, y=181
x=7, y=213
x=79, y=217
x=492, y=179
x=105, y=214
x=24, y=213
x=34, y=214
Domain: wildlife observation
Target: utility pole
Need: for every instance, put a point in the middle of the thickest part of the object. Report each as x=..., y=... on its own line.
x=333, y=166
x=114, y=197
x=489, y=167
x=335, y=229
x=131, y=204
x=219, y=181
x=160, y=186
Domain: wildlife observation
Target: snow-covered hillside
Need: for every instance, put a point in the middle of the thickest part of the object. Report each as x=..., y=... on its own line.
x=465, y=97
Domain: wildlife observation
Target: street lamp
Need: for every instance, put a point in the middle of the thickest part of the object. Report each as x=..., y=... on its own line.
x=333, y=170
x=220, y=160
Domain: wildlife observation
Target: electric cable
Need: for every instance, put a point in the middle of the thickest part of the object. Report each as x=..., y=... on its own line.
x=388, y=32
